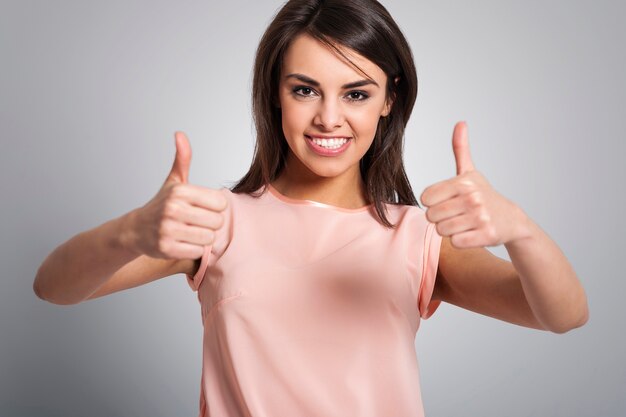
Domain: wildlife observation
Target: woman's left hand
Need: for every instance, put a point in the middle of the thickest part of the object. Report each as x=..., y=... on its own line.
x=467, y=208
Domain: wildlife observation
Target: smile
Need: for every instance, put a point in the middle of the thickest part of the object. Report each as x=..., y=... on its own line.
x=328, y=146
x=332, y=143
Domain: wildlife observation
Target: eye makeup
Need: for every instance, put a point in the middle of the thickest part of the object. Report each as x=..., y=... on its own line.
x=300, y=89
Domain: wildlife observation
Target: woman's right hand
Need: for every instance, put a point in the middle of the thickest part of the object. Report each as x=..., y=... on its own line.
x=181, y=218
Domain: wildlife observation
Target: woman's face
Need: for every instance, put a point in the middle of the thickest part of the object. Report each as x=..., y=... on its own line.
x=316, y=101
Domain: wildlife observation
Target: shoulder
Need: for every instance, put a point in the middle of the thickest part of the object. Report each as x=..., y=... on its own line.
x=408, y=216
x=242, y=197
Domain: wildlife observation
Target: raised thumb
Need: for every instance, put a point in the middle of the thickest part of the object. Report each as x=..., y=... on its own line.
x=182, y=161
x=460, y=148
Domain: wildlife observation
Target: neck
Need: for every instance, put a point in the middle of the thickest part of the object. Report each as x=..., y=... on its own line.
x=345, y=190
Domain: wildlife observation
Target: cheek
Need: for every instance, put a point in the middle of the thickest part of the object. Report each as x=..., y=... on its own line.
x=294, y=116
x=365, y=121
x=290, y=123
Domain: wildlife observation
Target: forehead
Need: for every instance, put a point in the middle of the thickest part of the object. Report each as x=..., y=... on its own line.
x=307, y=55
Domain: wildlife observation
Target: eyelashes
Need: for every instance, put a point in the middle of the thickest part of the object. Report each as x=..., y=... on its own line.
x=354, y=96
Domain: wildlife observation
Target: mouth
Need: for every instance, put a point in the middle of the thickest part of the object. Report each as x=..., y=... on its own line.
x=328, y=146
x=329, y=142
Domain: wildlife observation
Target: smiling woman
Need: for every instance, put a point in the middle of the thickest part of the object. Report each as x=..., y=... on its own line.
x=328, y=125
x=328, y=73
x=315, y=270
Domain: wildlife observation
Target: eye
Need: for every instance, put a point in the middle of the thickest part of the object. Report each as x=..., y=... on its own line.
x=357, y=96
x=302, y=91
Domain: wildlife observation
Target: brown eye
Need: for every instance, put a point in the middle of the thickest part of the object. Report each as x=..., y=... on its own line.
x=357, y=96
x=302, y=91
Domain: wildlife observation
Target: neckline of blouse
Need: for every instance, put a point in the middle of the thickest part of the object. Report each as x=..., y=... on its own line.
x=284, y=198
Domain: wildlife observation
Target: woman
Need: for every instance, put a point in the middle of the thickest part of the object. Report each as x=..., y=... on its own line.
x=313, y=272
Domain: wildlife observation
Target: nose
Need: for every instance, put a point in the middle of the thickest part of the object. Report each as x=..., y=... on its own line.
x=329, y=115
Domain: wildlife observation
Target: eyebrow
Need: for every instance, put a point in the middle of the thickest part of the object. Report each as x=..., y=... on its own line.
x=311, y=81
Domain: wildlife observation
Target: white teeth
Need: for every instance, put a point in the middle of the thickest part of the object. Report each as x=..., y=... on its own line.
x=332, y=143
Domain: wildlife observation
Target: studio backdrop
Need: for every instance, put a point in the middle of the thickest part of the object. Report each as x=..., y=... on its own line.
x=91, y=94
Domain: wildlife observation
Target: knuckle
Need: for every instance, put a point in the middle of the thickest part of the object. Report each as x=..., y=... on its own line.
x=218, y=201
x=222, y=202
x=163, y=245
x=219, y=221
x=466, y=184
x=171, y=209
x=197, y=252
x=178, y=191
x=213, y=220
x=209, y=236
x=166, y=228
x=474, y=199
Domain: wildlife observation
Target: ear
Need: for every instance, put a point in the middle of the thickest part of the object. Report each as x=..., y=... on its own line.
x=389, y=104
x=387, y=108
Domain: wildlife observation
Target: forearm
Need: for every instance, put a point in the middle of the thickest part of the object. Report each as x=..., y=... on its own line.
x=78, y=267
x=550, y=284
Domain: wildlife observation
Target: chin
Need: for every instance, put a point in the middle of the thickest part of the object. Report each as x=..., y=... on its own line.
x=332, y=170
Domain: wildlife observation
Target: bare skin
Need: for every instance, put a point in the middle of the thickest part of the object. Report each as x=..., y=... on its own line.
x=314, y=101
x=165, y=237
x=538, y=289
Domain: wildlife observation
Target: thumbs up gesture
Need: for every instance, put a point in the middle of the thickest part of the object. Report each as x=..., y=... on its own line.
x=181, y=218
x=467, y=208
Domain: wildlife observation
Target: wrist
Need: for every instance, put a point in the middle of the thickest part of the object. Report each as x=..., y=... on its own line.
x=125, y=237
x=524, y=228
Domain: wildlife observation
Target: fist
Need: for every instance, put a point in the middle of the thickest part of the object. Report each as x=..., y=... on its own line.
x=467, y=208
x=181, y=218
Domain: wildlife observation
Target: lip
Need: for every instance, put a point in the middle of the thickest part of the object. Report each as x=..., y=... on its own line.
x=328, y=136
x=327, y=152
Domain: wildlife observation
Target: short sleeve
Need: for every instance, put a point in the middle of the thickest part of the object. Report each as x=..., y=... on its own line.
x=195, y=281
x=213, y=252
x=432, y=247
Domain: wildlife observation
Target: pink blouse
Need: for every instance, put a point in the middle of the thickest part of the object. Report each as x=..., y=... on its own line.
x=312, y=310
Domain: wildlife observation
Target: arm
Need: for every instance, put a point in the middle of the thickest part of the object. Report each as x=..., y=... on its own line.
x=552, y=289
x=477, y=280
x=98, y=262
x=162, y=238
x=538, y=289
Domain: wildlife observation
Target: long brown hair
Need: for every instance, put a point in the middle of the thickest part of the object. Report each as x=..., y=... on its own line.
x=366, y=27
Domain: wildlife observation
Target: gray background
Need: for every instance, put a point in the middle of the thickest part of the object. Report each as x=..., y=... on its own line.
x=92, y=92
